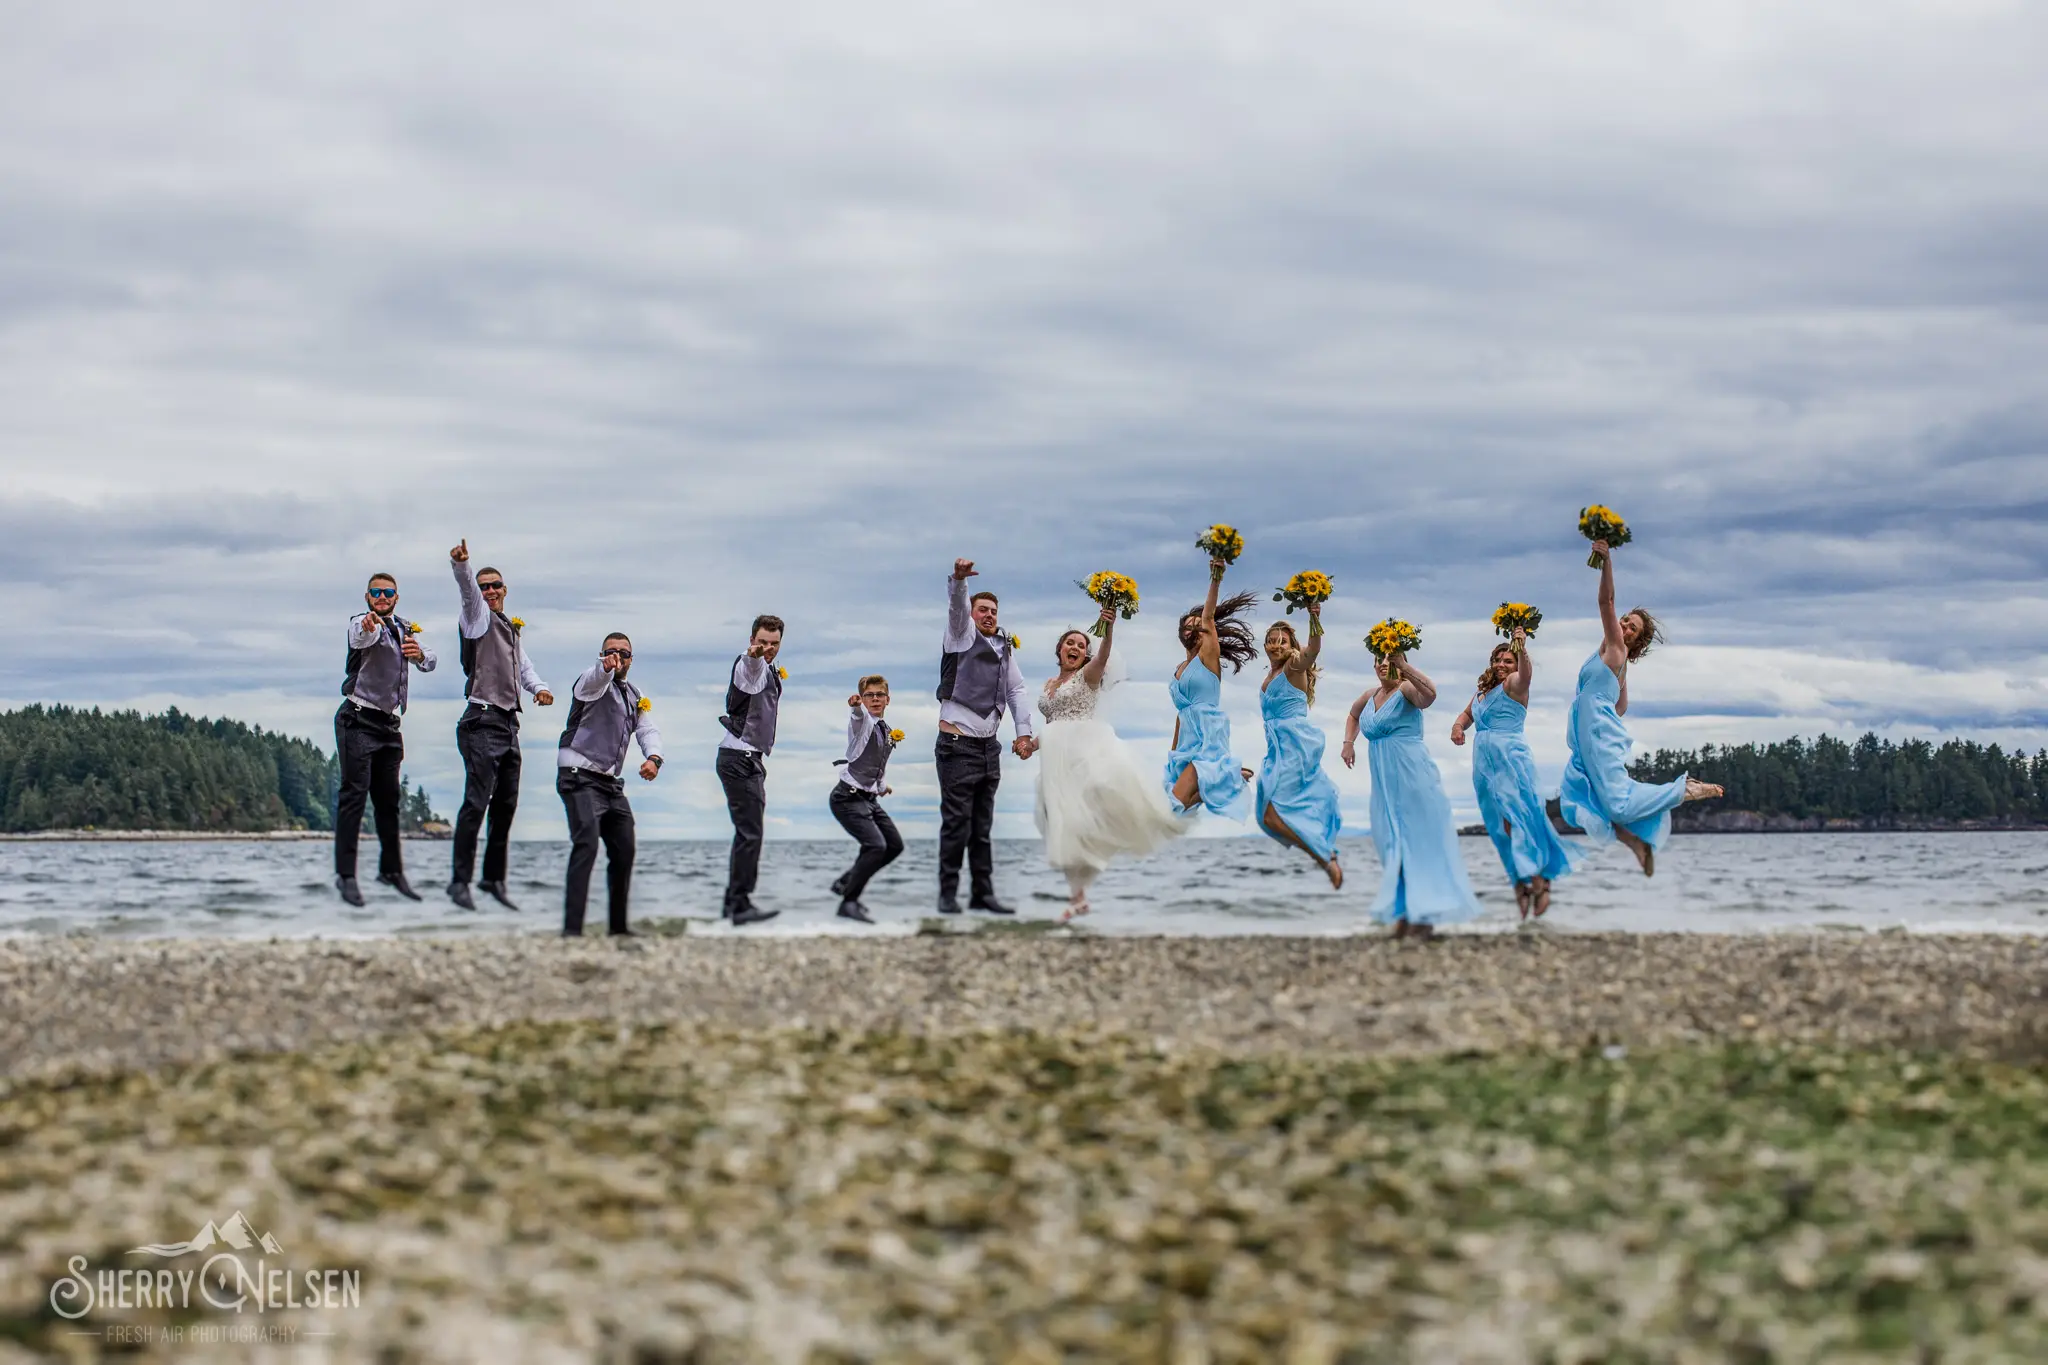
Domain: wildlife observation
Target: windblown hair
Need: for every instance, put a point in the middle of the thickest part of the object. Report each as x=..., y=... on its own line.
x=1494, y=674
x=1233, y=637
x=1294, y=642
x=872, y=680
x=1653, y=634
x=1087, y=642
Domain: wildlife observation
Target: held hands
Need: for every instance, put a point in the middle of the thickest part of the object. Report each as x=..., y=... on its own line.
x=1024, y=746
x=460, y=554
x=963, y=569
x=648, y=768
x=544, y=697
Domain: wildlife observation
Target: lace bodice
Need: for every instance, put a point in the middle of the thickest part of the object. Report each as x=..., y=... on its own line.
x=1073, y=699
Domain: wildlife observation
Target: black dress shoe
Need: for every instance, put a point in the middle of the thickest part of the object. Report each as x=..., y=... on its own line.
x=751, y=914
x=989, y=905
x=350, y=892
x=397, y=882
x=624, y=933
x=852, y=909
x=948, y=906
x=497, y=892
x=459, y=893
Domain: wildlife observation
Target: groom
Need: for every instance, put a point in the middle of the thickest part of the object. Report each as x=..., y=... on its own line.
x=978, y=678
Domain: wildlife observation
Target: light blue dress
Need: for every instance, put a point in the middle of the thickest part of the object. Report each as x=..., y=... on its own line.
x=1204, y=743
x=1292, y=780
x=1510, y=802
x=1598, y=794
x=1422, y=875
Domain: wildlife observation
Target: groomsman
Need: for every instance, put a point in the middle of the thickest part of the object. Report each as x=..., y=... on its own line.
x=383, y=649
x=753, y=697
x=978, y=679
x=605, y=713
x=856, y=800
x=495, y=670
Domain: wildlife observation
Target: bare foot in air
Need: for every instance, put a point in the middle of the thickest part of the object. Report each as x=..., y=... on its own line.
x=1645, y=855
x=1522, y=898
x=1077, y=906
x=1541, y=899
x=1702, y=791
x=1335, y=874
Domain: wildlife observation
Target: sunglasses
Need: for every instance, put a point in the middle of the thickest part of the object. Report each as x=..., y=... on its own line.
x=495, y=585
x=383, y=592
x=622, y=653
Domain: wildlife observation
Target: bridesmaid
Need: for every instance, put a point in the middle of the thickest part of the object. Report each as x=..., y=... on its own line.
x=1598, y=795
x=1200, y=772
x=1297, y=799
x=1504, y=778
x=1422, y=876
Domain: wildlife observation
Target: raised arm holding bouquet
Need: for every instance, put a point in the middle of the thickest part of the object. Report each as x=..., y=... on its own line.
x=1308, y=590
x=1390, y=642
x=1297, y=801
x=1597, y=794
x=1604, y=527
x=1504, y=771
x=1201, y=774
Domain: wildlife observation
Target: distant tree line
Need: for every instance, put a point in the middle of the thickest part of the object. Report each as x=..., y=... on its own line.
x=1873, y=782
x=64, y=768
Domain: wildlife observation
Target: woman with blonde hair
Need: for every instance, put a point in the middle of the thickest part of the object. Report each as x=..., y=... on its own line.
x=1504, y=777
x=1297, y=801
x=1598, y=795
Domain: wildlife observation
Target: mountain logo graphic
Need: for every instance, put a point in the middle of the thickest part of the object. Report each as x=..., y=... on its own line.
x=236, y=1232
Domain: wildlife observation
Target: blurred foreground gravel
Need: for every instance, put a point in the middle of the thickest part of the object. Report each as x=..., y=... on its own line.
x=1014, y=1149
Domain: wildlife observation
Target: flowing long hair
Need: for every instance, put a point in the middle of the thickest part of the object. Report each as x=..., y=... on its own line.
x=1233, y=637
x=1493, y=676
x=1653, y=634
x=1294, y=642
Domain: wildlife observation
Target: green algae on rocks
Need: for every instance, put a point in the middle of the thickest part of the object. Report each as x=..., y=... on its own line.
x=674, y=1193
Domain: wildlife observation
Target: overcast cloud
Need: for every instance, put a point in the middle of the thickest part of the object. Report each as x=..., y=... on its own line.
x=681, y=313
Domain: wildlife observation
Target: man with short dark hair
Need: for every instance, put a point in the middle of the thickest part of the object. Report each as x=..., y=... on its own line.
x=753, y=698
x=495, y=670
x=978, y=679
x=606, y=713
x=383, y=650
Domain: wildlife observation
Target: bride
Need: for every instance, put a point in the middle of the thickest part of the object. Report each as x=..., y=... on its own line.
x=1094, y=801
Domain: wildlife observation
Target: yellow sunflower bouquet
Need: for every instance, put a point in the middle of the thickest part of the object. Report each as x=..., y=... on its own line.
x=1310, y=587
x=1513, y=614
x=1118, y=592
x=1222, y=542
x=1391, y=637
x=1602, y=523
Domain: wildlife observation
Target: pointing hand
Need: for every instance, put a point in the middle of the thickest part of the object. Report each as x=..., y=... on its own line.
x=460, y=554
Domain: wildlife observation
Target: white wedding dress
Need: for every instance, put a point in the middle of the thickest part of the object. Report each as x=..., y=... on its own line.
x=1095, y=802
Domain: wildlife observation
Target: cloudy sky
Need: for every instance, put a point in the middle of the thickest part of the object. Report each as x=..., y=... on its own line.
x=684, y=312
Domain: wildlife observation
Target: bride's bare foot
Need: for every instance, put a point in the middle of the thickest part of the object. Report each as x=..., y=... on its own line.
x=1077, y=905
x=1702, y=791
x=1335, y=872
x=1645, y=855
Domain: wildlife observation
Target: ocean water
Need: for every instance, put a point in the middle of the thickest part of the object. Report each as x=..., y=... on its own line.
x=1988, y=882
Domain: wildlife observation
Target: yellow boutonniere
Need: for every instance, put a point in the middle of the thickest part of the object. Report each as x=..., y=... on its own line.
x=1016, y=642
x=518, y=623
x=413, y=627
x=646, y=704
x=895, y=736
x=782, y=672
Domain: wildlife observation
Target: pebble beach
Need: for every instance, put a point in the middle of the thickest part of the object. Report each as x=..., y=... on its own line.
x=1019, y=1146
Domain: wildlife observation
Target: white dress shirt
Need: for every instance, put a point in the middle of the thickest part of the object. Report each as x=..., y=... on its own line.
x=751, y=677
x=859, y=726
x=476, y=620
x=591, y=685
x=960, y=635
x=362, y=633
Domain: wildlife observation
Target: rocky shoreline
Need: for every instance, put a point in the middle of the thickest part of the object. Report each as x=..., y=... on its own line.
x=1015, y=1148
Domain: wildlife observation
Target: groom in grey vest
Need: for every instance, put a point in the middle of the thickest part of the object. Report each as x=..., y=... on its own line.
x=978, y=680
x=753, y=699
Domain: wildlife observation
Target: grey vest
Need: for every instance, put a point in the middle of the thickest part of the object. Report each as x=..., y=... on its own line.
x=600, y=730
x=380, y=674
x=977, y=674
x=750, y=716
x=867, y=766
x=492, y=662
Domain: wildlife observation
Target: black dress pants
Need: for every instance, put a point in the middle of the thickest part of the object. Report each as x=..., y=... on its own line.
x=371, y=749
x=860, y=814
x=488, y=738
x=745, y=779
x=970, y=769
x=597, y=810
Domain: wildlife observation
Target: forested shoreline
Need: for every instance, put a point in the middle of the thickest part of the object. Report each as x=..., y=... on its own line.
x=1871, y=784
x=62, y=767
